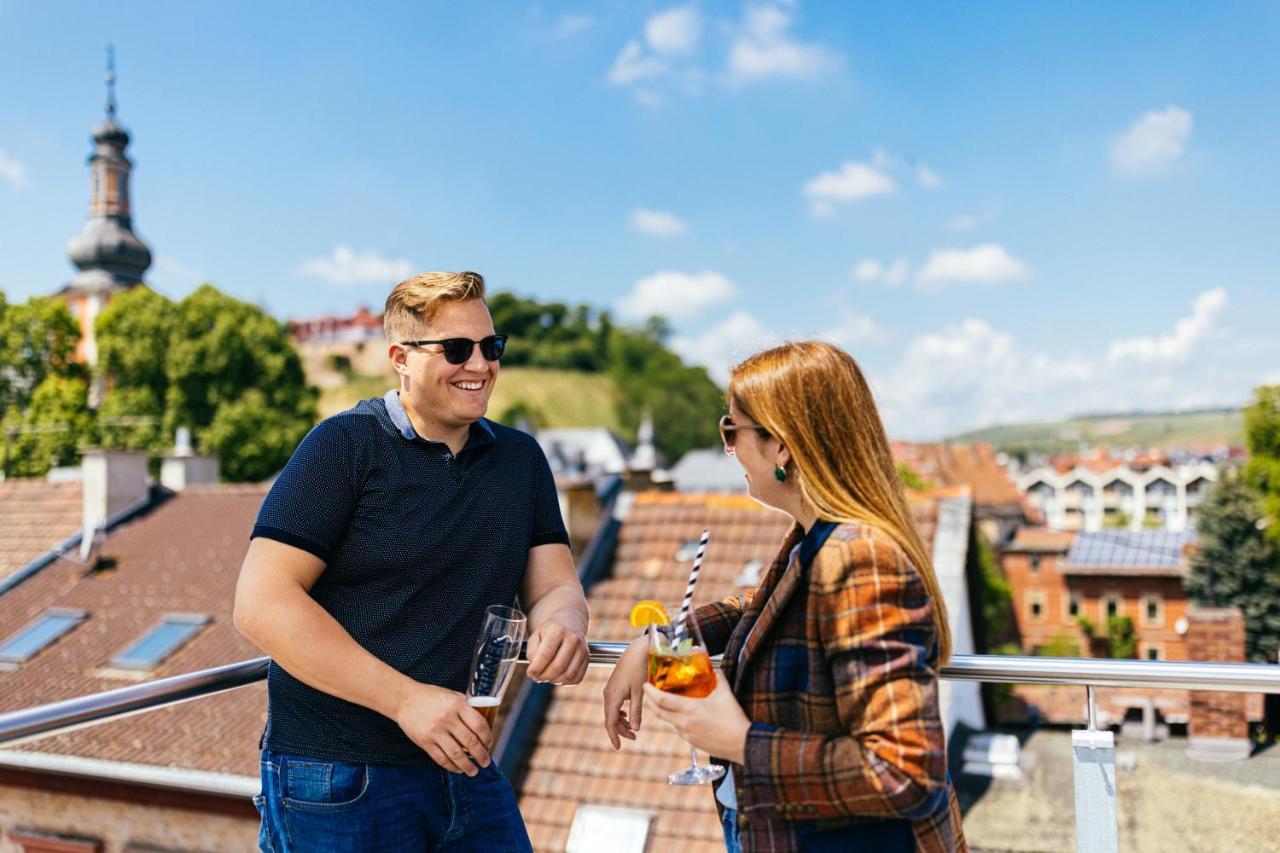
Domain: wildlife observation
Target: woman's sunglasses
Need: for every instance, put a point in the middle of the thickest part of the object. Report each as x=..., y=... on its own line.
x=458, y=350
x=729, y=432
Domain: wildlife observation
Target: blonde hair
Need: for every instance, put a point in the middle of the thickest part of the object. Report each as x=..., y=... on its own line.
x=416, y=300
x=813, y=398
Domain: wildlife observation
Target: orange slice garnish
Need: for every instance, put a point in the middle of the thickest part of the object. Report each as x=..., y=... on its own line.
x=649, y=612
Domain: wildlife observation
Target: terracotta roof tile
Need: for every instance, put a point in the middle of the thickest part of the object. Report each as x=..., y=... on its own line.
x=182, y=556
x=35, y=517
x=973, y=465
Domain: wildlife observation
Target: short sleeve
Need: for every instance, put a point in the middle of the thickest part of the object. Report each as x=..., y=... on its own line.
x=311, y=502
x=548, y=524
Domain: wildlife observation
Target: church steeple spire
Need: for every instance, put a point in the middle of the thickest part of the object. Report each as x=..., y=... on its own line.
x=108, y=255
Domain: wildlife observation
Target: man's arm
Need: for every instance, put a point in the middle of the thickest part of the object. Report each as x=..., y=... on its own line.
x=275, y=611
x=558, y=616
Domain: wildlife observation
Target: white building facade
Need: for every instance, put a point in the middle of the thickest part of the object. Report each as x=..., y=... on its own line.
x=1161, y=497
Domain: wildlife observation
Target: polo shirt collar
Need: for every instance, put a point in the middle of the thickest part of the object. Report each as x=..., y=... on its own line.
x=481, y=429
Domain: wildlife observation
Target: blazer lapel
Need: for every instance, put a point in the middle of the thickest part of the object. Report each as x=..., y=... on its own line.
x=772, y=596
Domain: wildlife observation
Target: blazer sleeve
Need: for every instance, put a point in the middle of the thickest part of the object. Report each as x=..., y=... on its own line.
x=717, y=620
x=876, y=625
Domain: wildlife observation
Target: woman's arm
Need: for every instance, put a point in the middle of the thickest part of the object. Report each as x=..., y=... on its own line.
x=875, y=622
x=717, y=620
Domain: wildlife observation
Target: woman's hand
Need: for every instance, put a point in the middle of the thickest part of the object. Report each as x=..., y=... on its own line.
x=714, y=724
x=625, y=685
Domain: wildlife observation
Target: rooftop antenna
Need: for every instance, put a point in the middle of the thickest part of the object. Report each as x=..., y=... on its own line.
x=111, y=80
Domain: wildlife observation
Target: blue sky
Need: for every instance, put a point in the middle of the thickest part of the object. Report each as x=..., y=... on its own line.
x=1005, y=211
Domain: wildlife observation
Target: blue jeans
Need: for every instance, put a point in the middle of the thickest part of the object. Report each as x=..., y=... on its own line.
x=310, y=804
x=729, y=823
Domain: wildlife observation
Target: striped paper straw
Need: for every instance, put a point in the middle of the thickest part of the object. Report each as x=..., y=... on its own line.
x=693, y=581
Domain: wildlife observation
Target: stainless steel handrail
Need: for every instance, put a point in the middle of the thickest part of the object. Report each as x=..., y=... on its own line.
x=69, y=714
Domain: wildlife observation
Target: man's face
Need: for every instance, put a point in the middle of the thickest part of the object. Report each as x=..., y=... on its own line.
x=443, y=394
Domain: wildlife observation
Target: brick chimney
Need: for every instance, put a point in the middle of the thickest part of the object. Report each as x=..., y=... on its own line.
x=1219, y=727
x=113, y=481
x=182, y=467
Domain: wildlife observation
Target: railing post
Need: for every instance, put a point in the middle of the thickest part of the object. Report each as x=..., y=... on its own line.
x=1094, y=766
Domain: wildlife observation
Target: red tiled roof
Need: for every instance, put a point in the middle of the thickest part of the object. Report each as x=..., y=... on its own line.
x=182, y=556
x=572, y=762
x=973, y=465
x=1041, y=539
x=35, y=517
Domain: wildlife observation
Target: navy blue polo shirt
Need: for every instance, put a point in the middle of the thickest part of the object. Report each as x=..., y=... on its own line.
x=417, y=542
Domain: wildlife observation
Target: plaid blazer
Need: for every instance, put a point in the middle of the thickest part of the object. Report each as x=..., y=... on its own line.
x=836, y=667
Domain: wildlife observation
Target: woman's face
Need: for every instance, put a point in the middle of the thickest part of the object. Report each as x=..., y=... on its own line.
x=758, y=456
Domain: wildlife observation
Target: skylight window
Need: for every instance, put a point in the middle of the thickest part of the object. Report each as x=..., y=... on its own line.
x=161, y=641
x=687, y=550
x=23, y=645
x=609, y=828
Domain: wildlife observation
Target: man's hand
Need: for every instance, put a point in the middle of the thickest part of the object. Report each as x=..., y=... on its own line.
x=446, y=727
x=557, y=654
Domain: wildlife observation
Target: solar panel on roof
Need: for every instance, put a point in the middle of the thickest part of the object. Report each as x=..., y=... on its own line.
x=1154, y=548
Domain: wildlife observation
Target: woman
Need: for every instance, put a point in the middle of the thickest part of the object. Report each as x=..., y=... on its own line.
x=826, y=710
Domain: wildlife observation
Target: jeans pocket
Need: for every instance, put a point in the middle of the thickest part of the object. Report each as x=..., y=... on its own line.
x=322, y=785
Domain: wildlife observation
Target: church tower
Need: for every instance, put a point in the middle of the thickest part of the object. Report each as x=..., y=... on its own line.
x=108, y=255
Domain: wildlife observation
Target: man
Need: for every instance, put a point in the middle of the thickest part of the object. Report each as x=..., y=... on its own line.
x=391, y=530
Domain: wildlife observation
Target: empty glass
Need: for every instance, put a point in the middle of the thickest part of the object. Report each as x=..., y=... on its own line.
x=497, y=650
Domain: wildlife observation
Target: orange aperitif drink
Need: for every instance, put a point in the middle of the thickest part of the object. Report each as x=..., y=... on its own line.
x=683, y=674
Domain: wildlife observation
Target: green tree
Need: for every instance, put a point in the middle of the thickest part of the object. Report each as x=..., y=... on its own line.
x=911, y=478
x=551, y=334
x=52, y=430
x=1122, y=639
x=37, y=339
x=1236, y=563
x=223, y=367
x=1262, y=437
x=685, y=403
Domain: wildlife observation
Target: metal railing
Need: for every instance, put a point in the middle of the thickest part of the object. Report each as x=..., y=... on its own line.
x=69, y=714
x=1093, y=749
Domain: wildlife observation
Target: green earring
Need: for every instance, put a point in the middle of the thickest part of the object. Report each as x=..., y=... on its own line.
x=780, y=474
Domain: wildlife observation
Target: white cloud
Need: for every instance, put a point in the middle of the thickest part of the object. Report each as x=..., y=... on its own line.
x=12, y=170
x=963, y=222
x=1153, y=143
x=347, y=267
x=1179, y=343
x=851, y=182
x=872, y=271
x=634, y=64
x=175, y=277
x=676, y=295
x=674, y=31
x=988, y=263
x=928, y=178
x=853, y=330
x=762, y=48
x=571, y=25
x=656, y=223
x=970, y=375
x=724, y=344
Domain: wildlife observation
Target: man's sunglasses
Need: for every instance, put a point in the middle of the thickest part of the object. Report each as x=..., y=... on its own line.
x=729, y=432
x=458, y=350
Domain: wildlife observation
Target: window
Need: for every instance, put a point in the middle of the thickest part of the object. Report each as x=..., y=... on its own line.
x=40, y=633
x=1152, y=651
x=158, y=643
x=609, y=828
x=1112, y=605
x=1075, y=607
x=1153, y=611
x=1035, y=605
x=1034, y=560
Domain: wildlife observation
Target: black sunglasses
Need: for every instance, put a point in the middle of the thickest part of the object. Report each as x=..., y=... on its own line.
x=458, y=350
x=729, y=432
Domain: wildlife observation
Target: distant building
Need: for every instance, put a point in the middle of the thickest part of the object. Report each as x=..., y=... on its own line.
x=584, y=451
x=363, y=325
x=998, y=508
x=110, y=257
x=1063, y=582
x=1099, y=494
x=708, y=470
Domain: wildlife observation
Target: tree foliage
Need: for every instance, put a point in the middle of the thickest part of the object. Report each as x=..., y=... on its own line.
x=1122, y=638
x=222, y=367
x=1237, y=564
x=37, y=339
x=551, y=334
x=1262, y=437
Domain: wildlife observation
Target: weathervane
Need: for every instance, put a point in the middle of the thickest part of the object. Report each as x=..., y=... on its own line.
x=111, y=80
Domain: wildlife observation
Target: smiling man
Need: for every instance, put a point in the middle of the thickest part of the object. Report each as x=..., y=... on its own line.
x=391, y=530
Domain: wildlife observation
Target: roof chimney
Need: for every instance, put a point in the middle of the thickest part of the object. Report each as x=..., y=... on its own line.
x=114, y=481
x=182, y=467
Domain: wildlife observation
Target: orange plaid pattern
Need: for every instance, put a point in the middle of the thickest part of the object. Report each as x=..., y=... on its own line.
x=836, y=667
